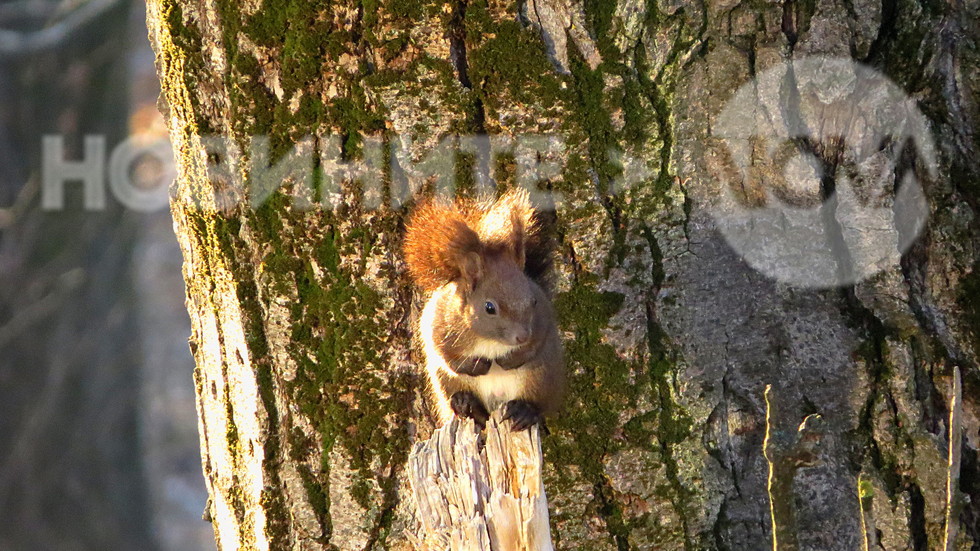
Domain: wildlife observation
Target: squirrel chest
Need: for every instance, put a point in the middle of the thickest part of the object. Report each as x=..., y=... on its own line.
x=498, y=386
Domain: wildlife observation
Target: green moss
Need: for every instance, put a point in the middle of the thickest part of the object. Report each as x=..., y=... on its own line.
x=297, y=28
x=318, y=498
x=674, y=425
x=273, y=502
x=594, y=118
x=335, y=341
x=267, y=26
x=637, y=116
x=231, y=429
x=353, y=117
x=465, y=168
x=497, y=78
x=602, y=386
x=477, y=22
x=387, y=24
x=409, y=10
x=865, y=489
x=599, y=386
x=371, y=9
x=336, y=387
x=307, y=46
x=599, y=14
x=300, y=445
x=610, y=510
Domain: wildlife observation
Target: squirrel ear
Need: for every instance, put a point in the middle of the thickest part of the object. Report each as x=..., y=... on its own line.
x=471, y=270
x=506, y=224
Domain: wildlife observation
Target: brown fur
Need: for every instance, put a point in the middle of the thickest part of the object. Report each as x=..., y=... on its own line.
x=438, y=244
x=486, y=249
x=541, y=359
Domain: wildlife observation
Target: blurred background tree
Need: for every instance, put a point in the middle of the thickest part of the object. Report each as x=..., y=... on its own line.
x=98, y=446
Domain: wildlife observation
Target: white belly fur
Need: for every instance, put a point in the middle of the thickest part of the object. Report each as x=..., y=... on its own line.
x=498, y=386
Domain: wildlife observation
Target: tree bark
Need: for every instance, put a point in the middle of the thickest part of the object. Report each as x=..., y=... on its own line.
x=309, y=395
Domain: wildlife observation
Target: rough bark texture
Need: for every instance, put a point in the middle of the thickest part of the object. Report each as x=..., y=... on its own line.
x=309, y=397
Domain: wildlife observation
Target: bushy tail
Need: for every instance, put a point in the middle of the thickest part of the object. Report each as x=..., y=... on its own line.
x=441, y=237
x=438, y=240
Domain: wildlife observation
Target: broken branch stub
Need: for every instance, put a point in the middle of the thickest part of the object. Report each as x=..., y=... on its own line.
x=476, y=494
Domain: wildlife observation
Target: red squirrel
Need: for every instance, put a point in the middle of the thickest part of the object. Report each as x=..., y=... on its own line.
x=488, y=327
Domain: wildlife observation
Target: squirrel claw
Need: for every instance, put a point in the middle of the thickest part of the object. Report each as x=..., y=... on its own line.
x=467, y=405
x=522, y=414
x=474, y=367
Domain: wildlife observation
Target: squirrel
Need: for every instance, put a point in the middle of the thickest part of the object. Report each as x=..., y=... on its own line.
x=488, y=329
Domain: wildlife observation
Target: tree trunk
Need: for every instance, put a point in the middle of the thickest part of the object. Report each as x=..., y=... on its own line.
x=309, y=395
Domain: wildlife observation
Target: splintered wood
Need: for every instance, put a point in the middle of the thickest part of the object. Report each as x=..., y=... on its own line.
x=473, y=498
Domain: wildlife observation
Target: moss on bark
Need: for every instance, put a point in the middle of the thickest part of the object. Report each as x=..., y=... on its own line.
x=659, y=444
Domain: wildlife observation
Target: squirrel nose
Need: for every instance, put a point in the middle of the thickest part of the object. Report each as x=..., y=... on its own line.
x=521, y=337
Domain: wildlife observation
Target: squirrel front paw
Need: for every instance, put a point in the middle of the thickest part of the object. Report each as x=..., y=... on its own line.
x=466, y=405
x=518, y=357
x=513, y=360
x=473, y=366
x=522, y=414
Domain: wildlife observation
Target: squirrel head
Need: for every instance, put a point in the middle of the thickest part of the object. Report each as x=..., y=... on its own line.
x=498, y=302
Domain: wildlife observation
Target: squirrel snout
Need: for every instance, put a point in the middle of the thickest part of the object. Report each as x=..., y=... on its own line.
x=521, y=337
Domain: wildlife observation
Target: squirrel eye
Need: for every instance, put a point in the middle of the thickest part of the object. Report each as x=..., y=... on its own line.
x=491, y=308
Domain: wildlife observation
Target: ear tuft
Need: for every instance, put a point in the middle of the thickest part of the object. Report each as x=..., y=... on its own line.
x=507, y=225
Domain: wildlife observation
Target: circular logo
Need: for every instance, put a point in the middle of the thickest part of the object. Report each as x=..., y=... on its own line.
x=820, y=161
